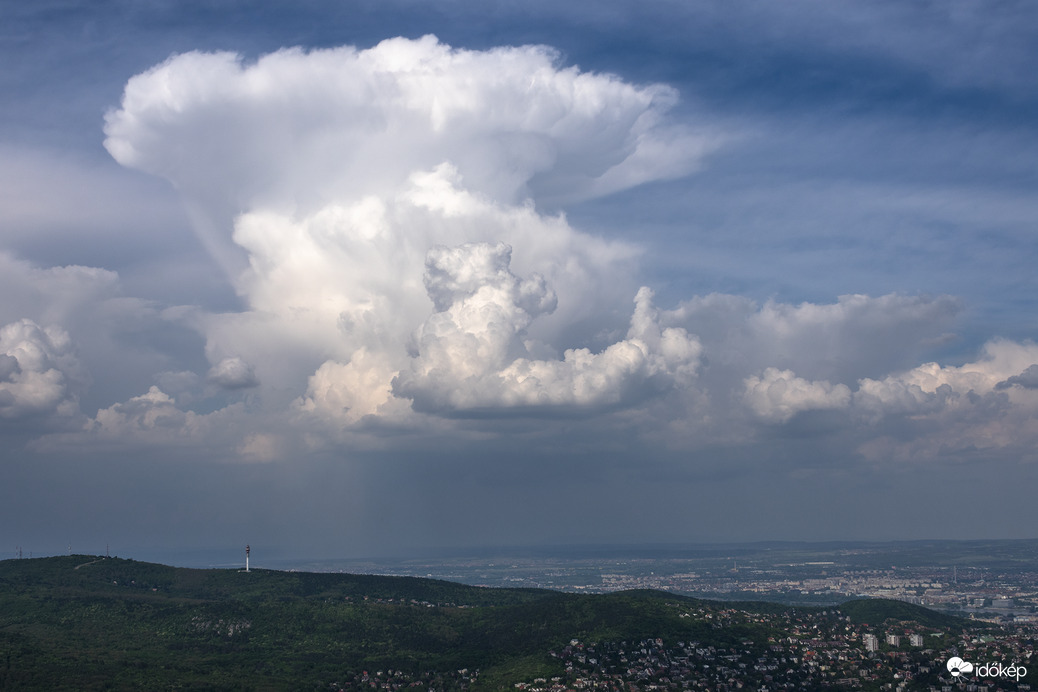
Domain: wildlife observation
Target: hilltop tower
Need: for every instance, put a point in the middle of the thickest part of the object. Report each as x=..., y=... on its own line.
x=246, y=558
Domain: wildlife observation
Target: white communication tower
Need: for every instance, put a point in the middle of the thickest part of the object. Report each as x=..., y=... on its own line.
x=246, y=558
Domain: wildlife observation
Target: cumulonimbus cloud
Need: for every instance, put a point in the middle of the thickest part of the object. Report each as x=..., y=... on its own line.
x=366, y=184
x=390, y=218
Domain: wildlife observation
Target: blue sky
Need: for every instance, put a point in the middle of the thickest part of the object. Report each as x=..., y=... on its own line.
x=353, y=278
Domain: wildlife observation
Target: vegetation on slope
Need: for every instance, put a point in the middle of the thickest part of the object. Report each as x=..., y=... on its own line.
x=82, y=622
x=877, y=611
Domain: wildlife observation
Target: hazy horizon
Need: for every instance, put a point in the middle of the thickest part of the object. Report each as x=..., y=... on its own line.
x=280, y=557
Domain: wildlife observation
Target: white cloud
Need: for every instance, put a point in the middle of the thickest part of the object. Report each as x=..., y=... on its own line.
x=38, y=370
x=857, y=336
x=157, y=423
x=931, y=386
x=154, y=421
x=778, y=395
x=298, y=127
x=233, y=373
x=471, y=353
x=152, y=411
x=350, y=277
x=341, y=170
x=382, y=215
x=346, y=392
x=120, y=341
x=955, y=409
x=929, y=412
x=482, y=312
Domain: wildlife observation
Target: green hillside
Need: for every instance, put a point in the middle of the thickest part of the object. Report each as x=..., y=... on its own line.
x=878, y=611
x=82, y=622
x=88, y=623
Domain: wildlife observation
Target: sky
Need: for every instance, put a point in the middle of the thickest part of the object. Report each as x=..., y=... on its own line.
x=354, y=278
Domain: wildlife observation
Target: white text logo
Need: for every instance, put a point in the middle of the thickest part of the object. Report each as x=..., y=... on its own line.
x=957, y=667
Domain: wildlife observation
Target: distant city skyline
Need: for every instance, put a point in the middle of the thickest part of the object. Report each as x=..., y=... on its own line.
x=347, y=279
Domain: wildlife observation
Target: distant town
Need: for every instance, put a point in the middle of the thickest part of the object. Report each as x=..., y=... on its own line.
x=820, y=650
x=994, y=581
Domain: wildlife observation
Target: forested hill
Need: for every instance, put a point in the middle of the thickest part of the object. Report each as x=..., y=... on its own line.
x=879, y=610
x=120, y=577
x=84, y=622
